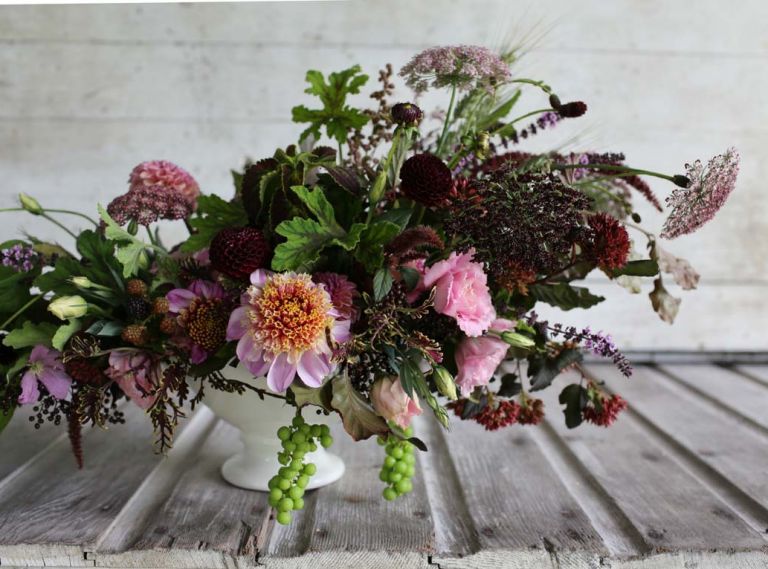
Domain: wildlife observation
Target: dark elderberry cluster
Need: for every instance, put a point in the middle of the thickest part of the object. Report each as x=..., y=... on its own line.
x=527, y=221
x=364, y=372
x=48, y=410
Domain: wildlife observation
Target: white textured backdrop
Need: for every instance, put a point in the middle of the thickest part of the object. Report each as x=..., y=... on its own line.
x=87, y=92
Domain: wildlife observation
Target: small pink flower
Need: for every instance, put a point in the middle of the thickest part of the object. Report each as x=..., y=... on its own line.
x=462, y=292
x=391, y=402
x=479, y=358
x=132, y=371
x=45, y=366
x=163, y=174
x=343, y=293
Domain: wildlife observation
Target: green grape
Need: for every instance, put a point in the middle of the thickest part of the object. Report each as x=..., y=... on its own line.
x=325, y=430
x=298, y=438
x=289, y=446
x=273, y=482
x=390, y=461
x=316, y=431
x=409, y=459
x=272, y=502
x=284, y=484
x=410, y=472
x=310, y=469
x=401, y=467
x=326, y=441
x=404, y=486
x=275, y=494
x=395, y=477
x=298, y=504
x=312, y=447
x=285, y=505
x=384, y=475
x=295, y=493
x=381, y=441
x=302, y=481
x=284, y=433
x=285, y=472
x=306, y=429
x=389, y=494
x=283, y=459
x=397, y=452
x=298, y=421
x=304, y=447
x=284, y=518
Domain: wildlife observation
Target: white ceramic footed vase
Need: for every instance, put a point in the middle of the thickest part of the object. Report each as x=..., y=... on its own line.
x=258, y=422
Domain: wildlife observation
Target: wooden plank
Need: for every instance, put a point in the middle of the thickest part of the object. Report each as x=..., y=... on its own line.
x=349, y=524
x=519, y=506
x=20, y=442
x=740, y=395
x=201, y=522
x=757, y=373
x=63, y=506
x=731, y=458
x=668, y=505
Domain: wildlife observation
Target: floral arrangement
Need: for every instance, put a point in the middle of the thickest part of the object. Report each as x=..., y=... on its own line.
x=389, y=275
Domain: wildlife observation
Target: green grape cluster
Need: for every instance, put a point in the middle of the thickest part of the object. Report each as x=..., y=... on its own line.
x=286, y=489
x=399, y=466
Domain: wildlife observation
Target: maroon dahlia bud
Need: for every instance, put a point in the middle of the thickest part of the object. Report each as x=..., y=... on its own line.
x=406, y=114
x=572, y=110
x=238, y=251
x=610, y=242
x=426, y=179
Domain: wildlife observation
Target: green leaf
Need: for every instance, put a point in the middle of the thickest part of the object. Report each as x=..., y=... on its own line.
x=305, y=238
x=499, y=112
x=641, y=268
x=370, y=251
x=543, y=370
x=5, y=418
x=574, y=397
x=105, y=328
x=360, y=419
x=410, y=277
x=320, y=207
x=382, y=283
x=132, y=257
x=411, y=378
x=510, y=385
x=318, y=396
x=399, y=216
x=30, y=334
x=14, y=290
x=64, y=333
x=565, y=296
x=213, y=215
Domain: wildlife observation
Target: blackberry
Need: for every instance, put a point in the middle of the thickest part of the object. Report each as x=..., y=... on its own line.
x=367, y=369
x=138, y=308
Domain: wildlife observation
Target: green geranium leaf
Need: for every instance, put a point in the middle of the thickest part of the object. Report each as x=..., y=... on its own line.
x=213, y=215
x=132, y=257
x=305, y=238
x=30, y=334
x=321, y=208
x=565, y=296
x=64, y=333
x=399, y=216
x=360, y=419
x=542, y=370
x=370, y=252
x=14, y=290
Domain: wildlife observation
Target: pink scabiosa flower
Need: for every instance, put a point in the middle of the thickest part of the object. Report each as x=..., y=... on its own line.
x=343, y=293
x=46, y=367
x=133, y=370
x=708, y=189
x=461, y=291
x=203, y=311
x=391, y=402
x=163, y=174
x=478, y=358
x=462, y=66
x=286, y=325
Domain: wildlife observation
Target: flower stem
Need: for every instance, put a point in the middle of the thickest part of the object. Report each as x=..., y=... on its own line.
x=615, y=168
x=444, y=134
x=70, y=212
x=21, y=310
x=540, y=84
x=58, y=224
x=532, y=113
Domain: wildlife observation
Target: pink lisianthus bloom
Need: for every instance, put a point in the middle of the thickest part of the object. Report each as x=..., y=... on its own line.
x=203, y=313
x=391, y=402
x=461, y=291
x=479, y=358
x=46, y=367
x=132, y=371
x=283, y=328
x=164, y=174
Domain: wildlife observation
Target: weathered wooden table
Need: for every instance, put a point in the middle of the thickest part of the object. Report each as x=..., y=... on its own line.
x=681, y=480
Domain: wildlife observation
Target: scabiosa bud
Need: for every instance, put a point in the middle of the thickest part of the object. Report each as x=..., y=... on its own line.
x=610, y=243
x=164, y=174
x=136, y=287
x=406, y=114
x=572, y=110
x=135, y=334
x=238, y=251
x=426, y=179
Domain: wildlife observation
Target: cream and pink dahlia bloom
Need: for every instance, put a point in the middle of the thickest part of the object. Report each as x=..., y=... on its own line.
x=287, y=325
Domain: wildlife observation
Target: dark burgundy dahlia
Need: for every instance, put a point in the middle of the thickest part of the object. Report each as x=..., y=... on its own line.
x=238, y=251
x=426, y=179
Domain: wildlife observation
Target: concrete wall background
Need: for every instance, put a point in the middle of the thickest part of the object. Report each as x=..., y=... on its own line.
x=88, y=91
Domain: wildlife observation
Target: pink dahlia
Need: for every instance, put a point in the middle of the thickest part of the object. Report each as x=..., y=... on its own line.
x=286, y=325
x=709, y=187
x=461, y=291
x=163, y=174
x=45, y=367
x=133, y=370
x=343, y=293
x=203, y=313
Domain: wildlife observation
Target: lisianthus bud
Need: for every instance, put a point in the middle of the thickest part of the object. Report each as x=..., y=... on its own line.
x=66, y=307
x=517, y=340
x=444, y=382
x=30, y=204
x=406, y=114
x=81, y=282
